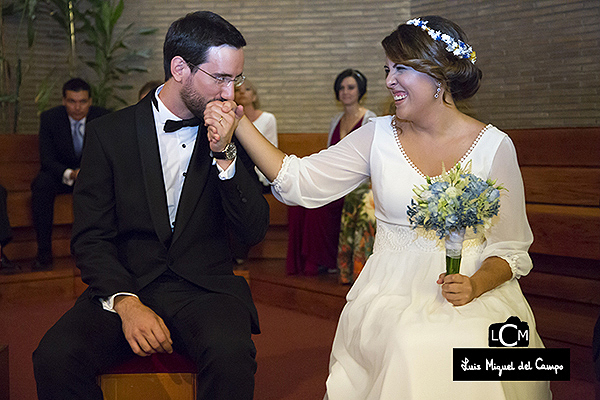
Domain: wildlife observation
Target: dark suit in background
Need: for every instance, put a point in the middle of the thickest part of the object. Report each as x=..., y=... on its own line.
x=56, y=155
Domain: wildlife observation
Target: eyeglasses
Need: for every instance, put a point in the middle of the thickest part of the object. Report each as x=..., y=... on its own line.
x=222, y=80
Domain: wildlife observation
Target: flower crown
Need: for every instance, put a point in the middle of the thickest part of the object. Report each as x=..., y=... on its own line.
x=458, y=48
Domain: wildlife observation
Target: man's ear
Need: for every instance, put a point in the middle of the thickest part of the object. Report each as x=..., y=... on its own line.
x=179, y=68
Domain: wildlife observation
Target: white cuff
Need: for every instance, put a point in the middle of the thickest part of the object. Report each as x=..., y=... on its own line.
x=108, y=304
x=225, y=174
x=512, y=260
x=277, y=183
x=67, y=177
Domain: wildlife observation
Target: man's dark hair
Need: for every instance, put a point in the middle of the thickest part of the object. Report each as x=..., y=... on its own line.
x=76, y=85
x=192, y=36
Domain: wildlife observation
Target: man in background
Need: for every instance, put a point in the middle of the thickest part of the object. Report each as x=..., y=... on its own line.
x=62, y=131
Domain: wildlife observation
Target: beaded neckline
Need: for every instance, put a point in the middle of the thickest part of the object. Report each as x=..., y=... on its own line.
x=413, y=166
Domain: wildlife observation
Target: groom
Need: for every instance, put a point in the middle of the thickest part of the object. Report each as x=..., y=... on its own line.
x=153, y=205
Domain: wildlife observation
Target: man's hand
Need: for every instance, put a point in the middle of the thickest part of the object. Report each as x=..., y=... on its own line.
x=457, y=289
x=145, y=331
x=221, y=118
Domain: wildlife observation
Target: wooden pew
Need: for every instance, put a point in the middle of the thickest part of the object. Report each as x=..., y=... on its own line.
x=561, y=174
x=19, y=164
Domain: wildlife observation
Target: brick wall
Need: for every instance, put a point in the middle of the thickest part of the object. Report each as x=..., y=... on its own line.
x=540, y=58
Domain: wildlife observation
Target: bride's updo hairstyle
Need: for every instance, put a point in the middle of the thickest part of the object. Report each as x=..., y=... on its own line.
x=437, y=47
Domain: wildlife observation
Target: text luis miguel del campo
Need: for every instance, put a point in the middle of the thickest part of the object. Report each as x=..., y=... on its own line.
x=509, y=359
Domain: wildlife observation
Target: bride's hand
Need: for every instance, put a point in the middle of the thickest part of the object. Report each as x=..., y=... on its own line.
x=457, y=289
x=221, y=118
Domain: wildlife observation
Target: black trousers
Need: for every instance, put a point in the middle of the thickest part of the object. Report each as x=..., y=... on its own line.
x=213, y=329
x=5, y=231
x=44, y=189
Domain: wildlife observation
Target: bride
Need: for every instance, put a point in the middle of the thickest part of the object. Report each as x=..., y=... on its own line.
x=404, y=315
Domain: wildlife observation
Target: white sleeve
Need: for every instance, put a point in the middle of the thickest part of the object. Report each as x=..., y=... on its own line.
x=328, y=175
x=510, y=235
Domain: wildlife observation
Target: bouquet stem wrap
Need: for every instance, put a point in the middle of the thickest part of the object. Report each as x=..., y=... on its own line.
x=454, y=243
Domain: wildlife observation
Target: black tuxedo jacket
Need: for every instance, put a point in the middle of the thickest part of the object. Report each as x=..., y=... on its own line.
x=122, y=238
x=56, y=143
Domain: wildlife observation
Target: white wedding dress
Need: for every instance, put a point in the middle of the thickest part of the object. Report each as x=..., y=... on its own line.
x=396, y=333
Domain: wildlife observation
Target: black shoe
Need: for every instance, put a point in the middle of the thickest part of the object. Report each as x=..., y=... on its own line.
x=41, y=265
x=7, y=267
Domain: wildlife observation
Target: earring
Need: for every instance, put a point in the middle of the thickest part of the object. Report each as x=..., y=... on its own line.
x=438, y=90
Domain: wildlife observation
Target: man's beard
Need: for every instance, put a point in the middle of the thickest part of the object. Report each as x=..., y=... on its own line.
x=194, y=101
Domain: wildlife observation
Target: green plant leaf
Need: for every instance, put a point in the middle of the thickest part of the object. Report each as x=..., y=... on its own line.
x=147, y=31
x=117, y=12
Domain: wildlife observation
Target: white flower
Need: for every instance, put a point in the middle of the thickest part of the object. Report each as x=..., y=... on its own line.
x=426, y=195
x=454, y=46
x=487, y=223
x=452, y=192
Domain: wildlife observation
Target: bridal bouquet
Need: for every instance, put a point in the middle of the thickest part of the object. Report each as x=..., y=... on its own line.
x=452, y=202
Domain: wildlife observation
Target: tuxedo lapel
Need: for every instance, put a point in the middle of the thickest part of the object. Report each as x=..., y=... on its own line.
x=195, y=180
x=152, y=169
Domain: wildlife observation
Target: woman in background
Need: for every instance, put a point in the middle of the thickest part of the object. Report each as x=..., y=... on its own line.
x=314, y=233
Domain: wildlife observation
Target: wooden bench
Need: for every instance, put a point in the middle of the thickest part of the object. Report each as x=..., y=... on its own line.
x=561, y=174
x=19, y=164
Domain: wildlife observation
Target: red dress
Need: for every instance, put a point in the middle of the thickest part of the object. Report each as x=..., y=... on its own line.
x=314, y=233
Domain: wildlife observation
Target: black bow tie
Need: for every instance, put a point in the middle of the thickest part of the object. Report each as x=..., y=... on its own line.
x=172, y=126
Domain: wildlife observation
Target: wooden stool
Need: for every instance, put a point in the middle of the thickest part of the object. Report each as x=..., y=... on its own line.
x=159, y=376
